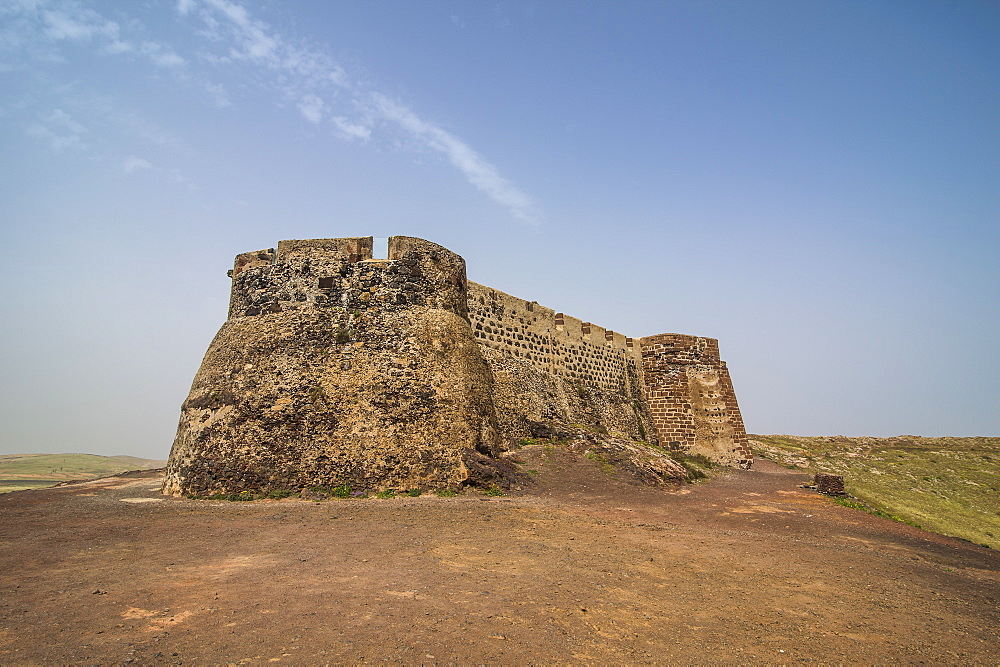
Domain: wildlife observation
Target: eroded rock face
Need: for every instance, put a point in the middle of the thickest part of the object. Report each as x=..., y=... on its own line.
x=337, y=369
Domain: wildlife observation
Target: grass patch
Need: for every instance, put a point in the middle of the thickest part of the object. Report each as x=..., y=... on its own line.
x=946, y=485
x=447, y=493
x=602, y=462
x=34, y=471
x=342, y=491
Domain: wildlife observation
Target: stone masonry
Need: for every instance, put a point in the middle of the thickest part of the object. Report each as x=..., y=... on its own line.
x=337, y=368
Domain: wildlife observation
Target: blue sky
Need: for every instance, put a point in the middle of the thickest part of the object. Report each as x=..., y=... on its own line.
x=815, y=184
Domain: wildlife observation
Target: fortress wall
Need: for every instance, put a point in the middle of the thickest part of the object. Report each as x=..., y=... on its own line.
x=336, y=368
x=559, y=344
x=739, y=432
x=691, y=398
x=552, y=368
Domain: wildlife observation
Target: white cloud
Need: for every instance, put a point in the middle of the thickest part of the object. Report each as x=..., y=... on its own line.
x=303, y=75
x=311, y=107
x=254, y=42
x=477, y=170
x=61, y=119
x=219, y=95
x=59, y=131
x=310, y=80
x=161, y=55
x=351, y=130
x=132, y=164
x=118, y=46
x=76, y=23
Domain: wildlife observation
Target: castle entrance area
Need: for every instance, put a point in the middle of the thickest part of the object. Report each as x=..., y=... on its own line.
x=745, y=568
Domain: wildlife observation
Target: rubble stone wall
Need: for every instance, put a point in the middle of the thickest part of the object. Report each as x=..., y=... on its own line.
x=553, y=368
x=335, y=368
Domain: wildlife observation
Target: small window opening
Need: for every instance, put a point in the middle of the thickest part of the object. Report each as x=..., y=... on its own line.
x=325, y=283
x=380, y=248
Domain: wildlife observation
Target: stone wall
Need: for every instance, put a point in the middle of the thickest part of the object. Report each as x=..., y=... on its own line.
x=554, y=342
x=335, y=368
x=691, y=398
x=552, y=368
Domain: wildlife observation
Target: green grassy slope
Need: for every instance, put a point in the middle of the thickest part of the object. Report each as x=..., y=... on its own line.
x=946, y=485
x=32, y=471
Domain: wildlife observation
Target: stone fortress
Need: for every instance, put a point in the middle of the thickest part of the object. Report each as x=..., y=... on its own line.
x=336, y=368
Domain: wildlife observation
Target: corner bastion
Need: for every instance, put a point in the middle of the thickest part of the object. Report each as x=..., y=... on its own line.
x=336, y=368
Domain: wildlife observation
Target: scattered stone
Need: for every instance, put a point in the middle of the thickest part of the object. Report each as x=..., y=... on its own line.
x=829, y=484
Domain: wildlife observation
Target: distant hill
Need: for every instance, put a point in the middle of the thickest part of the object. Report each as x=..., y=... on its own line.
x=947, y=485
x=33, y=471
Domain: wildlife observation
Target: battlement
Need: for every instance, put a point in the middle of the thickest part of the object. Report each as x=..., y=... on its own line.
x=340, y=273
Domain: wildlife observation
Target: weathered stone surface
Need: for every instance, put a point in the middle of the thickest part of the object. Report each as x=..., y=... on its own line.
x=337, y=369
x=384, y=395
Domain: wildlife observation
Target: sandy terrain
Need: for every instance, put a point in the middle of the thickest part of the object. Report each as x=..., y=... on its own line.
x=748, y=568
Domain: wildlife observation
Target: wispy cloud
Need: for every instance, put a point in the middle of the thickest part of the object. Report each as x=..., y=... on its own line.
x=59, y=130
x=77, y=23
x=350, y=129
x=132, y=164
x=477, y=170
x=311, y=107
x=301, y=75
x=219, y=95
x=54, y=21
x=323, y=92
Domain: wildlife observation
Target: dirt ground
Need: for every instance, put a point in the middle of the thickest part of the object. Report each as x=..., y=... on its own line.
x=747, y=568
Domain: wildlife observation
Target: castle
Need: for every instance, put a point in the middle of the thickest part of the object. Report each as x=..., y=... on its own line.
x=337, y=368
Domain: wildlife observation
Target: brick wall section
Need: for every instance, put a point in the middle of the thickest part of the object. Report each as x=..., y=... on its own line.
x=691, y=399
x=666, y=383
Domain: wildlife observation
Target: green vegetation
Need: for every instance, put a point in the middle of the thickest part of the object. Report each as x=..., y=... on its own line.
x=344, y=334
x=34, y=471
x=945, y=485
x=342, y=491
x=696, y=465
x=414, y=493
x=601, y=461
x=388, y=493
x=242, y=496
x=447, y=493
x=494, y=491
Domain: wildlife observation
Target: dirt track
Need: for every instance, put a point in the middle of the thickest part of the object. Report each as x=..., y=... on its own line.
x=748, y=568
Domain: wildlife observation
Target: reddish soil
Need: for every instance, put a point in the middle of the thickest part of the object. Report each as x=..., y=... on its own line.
x=747, y=568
